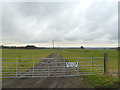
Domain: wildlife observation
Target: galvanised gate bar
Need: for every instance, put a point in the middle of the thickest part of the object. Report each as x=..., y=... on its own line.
x=51, y=67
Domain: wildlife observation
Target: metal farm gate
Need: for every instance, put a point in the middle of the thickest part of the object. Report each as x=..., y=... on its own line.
x=51, y=67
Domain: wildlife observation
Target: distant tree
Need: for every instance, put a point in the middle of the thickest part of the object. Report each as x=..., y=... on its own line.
x=82, y=47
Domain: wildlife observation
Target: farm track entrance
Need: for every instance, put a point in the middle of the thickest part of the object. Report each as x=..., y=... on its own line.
x=53, y=67
x=46, y=82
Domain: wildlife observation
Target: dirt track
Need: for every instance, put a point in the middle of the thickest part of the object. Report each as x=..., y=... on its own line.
x=47, y=82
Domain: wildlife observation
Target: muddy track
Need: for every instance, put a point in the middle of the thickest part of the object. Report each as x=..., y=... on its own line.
x=47, y=82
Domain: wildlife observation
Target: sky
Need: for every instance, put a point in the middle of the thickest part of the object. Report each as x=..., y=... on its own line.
x=70, y=24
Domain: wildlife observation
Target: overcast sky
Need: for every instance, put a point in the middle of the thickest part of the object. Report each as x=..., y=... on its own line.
x=88, y=23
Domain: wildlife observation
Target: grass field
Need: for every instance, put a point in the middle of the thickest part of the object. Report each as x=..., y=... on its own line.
x=25, y=53
x=107, y=80
x=112, y=55
x=20, y=54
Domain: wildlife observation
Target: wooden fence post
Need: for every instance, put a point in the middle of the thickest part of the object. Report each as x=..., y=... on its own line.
x=92, y=64
x=105, y=63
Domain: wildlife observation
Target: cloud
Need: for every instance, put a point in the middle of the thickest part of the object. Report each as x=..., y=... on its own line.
x=31, y=22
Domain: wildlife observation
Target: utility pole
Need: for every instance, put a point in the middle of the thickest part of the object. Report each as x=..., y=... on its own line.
x=53, y=44
x=57, y=48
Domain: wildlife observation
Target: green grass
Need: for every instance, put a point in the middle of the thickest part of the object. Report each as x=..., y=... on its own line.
x=100, y=81
x=20, y=54
x=107, y=80
x=25, y=53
